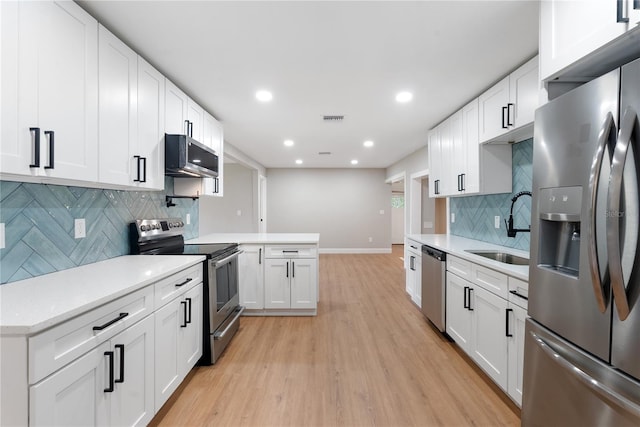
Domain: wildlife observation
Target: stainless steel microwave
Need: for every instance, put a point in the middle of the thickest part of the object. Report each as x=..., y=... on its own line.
x=186, y=157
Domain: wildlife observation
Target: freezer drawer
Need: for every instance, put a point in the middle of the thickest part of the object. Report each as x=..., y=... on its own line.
x=564, y=386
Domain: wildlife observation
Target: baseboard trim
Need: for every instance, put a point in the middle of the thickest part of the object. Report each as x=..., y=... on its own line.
x=355, y=250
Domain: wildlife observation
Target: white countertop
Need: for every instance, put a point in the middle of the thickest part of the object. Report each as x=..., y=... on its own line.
x=257, y=238
x=458, y=246
x=32, y=305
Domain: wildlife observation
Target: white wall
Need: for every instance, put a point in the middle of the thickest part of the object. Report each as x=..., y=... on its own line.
x=343, y=205
x=220, y=214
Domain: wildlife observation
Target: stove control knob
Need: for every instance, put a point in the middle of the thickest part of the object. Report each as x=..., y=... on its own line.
x=143, y=228
x=156, y=226
x=181, y=224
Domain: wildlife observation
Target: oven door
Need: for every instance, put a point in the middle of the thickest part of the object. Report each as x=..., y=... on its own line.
x=223, y=289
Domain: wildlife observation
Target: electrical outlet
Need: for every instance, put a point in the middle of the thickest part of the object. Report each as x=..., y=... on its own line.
x=381, y=211
x=453, y=217
x=188, y=219
x=2, y=243
x=79, y=228
x=496, y=220
x=370, y=239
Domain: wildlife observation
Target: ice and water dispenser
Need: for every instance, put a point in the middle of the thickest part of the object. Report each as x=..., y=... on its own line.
x=559, y=239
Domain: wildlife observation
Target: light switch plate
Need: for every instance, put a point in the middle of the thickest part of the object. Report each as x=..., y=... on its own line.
x=453, y=217
x=2, y=243
x=79, y=228
x=381, y=211
x=496, y=220
x=188, y=219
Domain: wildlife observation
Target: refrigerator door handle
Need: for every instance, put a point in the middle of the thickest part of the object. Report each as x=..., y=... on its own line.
x=589, y=382
x=613, y=215
x=594, y=182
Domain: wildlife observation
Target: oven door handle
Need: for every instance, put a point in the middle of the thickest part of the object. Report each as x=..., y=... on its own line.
x=220, y=335
x=226, y=260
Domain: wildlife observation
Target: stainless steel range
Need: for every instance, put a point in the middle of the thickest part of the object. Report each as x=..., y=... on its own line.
x=221, y=301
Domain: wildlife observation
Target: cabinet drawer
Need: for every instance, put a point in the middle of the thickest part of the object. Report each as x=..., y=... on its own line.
x=54, y=348
x=490, y=280
x=518, y=292
x=169, y=288
x=296, y=251
x=459, y=267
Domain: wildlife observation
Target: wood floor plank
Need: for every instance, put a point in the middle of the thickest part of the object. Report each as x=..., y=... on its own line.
x=368, y=358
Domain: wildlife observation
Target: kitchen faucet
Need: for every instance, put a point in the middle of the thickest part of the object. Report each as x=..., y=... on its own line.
x=511, y=232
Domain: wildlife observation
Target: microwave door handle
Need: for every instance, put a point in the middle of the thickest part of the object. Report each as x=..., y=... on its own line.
x=613, y=218
x=594, y=182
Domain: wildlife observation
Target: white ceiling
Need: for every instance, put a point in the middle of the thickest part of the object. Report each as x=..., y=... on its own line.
x=327, y=58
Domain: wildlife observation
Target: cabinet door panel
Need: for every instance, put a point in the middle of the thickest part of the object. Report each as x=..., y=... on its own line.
x=59, y=87
x=133, y=402
x=516, y=352
x=524, y=93
x=73, y=396
x=458, y=160
x=491, y=104
x=190, y=340
x=458, y=317
x=118, y=69
x=151, y=123
x=304, y=273
x=195, y=114
x=435, y=156
x=471, y=147
x=276, y=281
x=167, y=369
x=175, y=111
x=251, y=272
x=489, y=337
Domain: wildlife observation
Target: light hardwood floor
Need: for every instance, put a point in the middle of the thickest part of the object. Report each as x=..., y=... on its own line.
x=368, y=358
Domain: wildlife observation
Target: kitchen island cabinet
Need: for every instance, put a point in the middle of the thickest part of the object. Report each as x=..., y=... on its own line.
x=78, y=347
x=267, y=286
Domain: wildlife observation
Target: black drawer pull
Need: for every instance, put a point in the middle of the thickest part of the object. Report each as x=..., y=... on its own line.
x=51, y=134
x=506, y=322
x=184, y=304
x=121, y=348
x=36, y=149
x=110, y=322
x=184, y=283
x=188, y=319
x=518, y=295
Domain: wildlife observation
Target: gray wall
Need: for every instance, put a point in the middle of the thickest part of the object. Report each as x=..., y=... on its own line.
x=220, y=214
x=343, y=205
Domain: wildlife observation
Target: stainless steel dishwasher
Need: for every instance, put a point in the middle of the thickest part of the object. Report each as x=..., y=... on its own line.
x=434, y=270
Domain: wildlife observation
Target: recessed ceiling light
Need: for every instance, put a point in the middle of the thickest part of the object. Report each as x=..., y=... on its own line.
x=368, y=143
x=288, y=143
x=354, y=162
x=299, y=162
x=404, y=97
x=264, y=96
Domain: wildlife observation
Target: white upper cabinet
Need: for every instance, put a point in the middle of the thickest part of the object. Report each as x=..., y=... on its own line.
x=118, y=109
x=195, y=116
x=51, y=129
x=175, y=119
x=213, y=136
x=507, y=109
x=151, y=123
x=570, y=31
x=471, y=173
x=435, y=174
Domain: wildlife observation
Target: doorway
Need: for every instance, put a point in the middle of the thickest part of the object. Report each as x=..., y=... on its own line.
x=397, y=212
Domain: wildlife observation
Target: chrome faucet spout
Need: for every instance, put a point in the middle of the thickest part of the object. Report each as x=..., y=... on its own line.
x=511, y=231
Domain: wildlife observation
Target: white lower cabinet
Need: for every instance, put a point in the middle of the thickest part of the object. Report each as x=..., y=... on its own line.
x=251, y=277
x=487, y=326
x=290, y=277
x=414, y=272
x=111, y=385
x=179, y=341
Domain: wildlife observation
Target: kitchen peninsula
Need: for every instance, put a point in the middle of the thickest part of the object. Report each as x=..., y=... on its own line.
x=278, y=271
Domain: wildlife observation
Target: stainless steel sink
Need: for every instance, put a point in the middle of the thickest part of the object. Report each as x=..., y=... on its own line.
x=502, y=257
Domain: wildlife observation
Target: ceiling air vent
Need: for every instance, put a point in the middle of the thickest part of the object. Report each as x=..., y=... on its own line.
x=333, y=118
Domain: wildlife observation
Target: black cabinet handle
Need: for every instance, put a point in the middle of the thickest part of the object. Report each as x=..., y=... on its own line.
x=138, y=167
x=518, y=295
x=465, y=303
x=121, y=348
x=470, y=308
x=184, y=283
x=509, y=107
x=620, y=12
x=184, y=305
x=186, y=127
x=216, y=186
x=504, y=110
x=463, y=179
x=293, y=269
x=188, y=320
x=506, y=321
x=109, y=389
x=51, y=134
x=411, y=263
x=287, y=268
x=110, y=322
x=260, y=256
x=36, y=149
x=436, y=183
x=144, y=170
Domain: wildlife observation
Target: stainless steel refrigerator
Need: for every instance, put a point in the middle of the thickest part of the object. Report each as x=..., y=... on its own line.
x=582, y=342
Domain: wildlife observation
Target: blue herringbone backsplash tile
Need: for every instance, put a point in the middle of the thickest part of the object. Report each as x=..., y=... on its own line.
x=475, y=214
x=39, y=224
